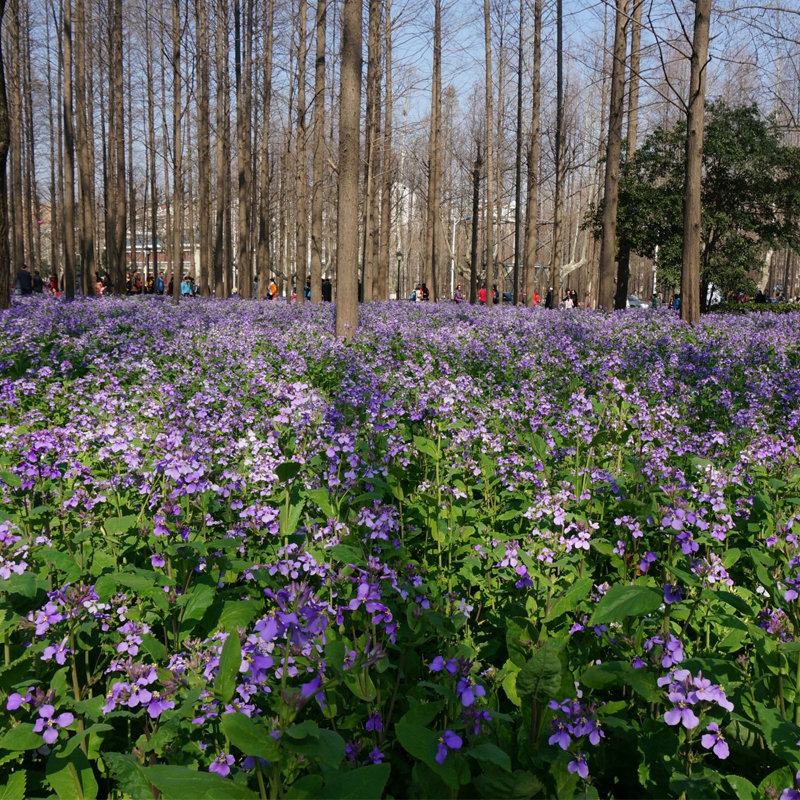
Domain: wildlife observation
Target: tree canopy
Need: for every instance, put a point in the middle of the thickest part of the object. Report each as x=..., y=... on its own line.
x=750, y=196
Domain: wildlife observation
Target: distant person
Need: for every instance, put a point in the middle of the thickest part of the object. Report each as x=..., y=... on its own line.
x=568, y=300
x=676, y=302
x=495, y=294
x=161, y=287
x=654, y=300
x=327, y=291
x=54, y=284
x=99, y=288
x=272, y=293
x=186, y=287
x=38, y=283
x=537, y=298
x=425, y=293
x=482, y=294
x=24, y=280
x=307, y=292
x=761, y=297
x=548, y=300
x=458, y=295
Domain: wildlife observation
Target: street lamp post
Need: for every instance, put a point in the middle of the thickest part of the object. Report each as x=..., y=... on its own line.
x=399, y=266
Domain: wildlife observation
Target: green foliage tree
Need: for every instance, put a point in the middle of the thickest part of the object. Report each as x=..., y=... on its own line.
x=750, y=198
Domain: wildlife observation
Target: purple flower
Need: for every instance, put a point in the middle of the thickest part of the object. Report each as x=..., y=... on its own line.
x=673, y=652
x=15, y=700
x=467, y=691
x=375, y=756
x=374, y=722
x=792, y=793
x=579, y=765
x=638, y=663
x=48, y=725
x=560, y=736
x=715, y=741
x=158, y=704
x=672, y=594
x=447, y=741
x=222, y=764
x=59, y=652
x=438, y=664
x=681, y=713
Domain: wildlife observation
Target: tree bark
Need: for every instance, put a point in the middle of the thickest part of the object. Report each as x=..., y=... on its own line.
x=243, y=38
x=264, y=210
x=476, y=201
x=69, y=158
x=487, y=30
x=318, y=185
x=558, y=201
x=301, y=220
x=532, y=205
x=347, y=223
x=177, y=155
x=120, y=213
x=695, y=127
x=518, y=161
x=221, y=266
x=384, y=260
x=608, y=245
x=15, y=165
x=5, y=141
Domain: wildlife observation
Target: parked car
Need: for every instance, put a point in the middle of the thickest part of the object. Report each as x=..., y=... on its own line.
x=635, y=302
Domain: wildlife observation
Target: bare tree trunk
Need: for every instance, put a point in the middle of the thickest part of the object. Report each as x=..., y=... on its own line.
x=15, y=165
x=384, y=260
x=177, y=155
x=370, y=160
x=432, y=235
x=203, y=146
x=608, y=245
x=476, y=201
x=695, y=127
x=499, y=148
x=31, y=192
x=532, y=205
x=558, y=210
x=151, y=139
x=301, y=194
x=120, y=214
x=264, y=227
x=69, y=159
x=133, y=256
x=243, y=46
x=318, y=185
x=221, y=284
x=347, y=223
x=487, y=28
x=5, y=141
x=624, y=267
x=85, y=165
x=53, y=198
x=518, y=162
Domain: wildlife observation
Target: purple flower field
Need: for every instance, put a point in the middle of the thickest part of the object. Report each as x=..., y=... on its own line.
x=473, y=553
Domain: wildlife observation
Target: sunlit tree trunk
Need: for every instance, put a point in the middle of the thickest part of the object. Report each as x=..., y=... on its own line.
x=5, y=141
x=532, y=204
x=265, y=207
x=487, y=28
x=69, y=157
x=385, y=258
x=301, y=226
x=558, y=202
x=347, y=222
x=177, y=155
x=318, y=185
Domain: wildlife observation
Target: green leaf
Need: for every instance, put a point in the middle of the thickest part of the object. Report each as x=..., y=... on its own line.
x=181, y=783
x=780, y=734
x=128, y=775
x=252, y=739
x=626, y=601
x=229, y=663
x=515, y=786
x=347, y=554
x=422, y=714
x=742, y=788
x=288, y=471
x=71, y=777
x=77, y=738
x=14, y=787
x=21, y=737
x=328, y=747
x=619, y=673
x=321, y=498
x=541, y=675
x=422, y=743
x=364, y=783
x=301, y=730
x=492, y=753
x=154, y=647
x=569, y=600
x=426, y=446
x=238, y=614
x=118, y=525
x=306, y=788
x=200, y=597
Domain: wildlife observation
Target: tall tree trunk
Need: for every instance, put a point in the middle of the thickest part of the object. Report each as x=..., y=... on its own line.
x=15, y=166
x=69, y=158
x=498, y=149
x=203, y=146
x=384, y=260
x=487, y=29
x=558, y=204
x=624, y=267
x=151, y=139
x=532, y=204
x=221, y=282
x=608, y=245
x=318, y=184
x=177, y=155
x=85, y=164
x=120, y=214
x=347, y=222
x=51, y=126
x=370, y=160
x=301, y=227
x=476, y=224
x=5, y=141
x=265, y=208
x=695, y=127
x=133, y=256
x=31, y=194
x=433, y=224
x=243, y=32
x=518, y=161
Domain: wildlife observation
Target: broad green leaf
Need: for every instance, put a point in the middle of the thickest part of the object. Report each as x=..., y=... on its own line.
x=422, y=743
x=288, y=471
x=780, y=734
x=742, y=788
x=569, y=600
x=321, y=498
x=128, y=775
x=14, y=787
x=76, y=738
x=250, y=737
x=626, y=601
x=118, y=525
x=21, y=737
x=364, y=783
x=328, y=747
x=229, y=663
x=492, y=753
x=541, y=675
x=182, y=783
x=71, y=777
x=200, y=597
x=509, y=786
x=238, y=614
x=306, y=788
x=422, y=714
